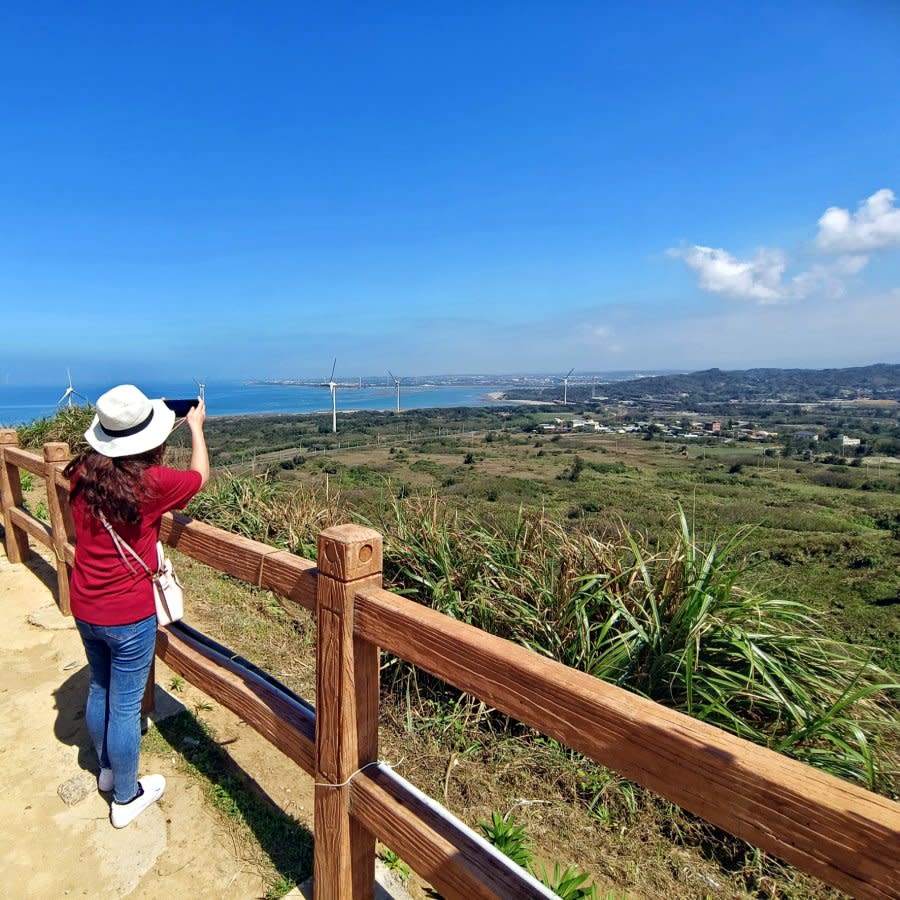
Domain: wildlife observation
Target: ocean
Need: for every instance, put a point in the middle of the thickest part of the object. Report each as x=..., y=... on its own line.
x=20, y=405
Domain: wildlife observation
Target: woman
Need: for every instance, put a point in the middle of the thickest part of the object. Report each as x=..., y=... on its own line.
x=121, y=484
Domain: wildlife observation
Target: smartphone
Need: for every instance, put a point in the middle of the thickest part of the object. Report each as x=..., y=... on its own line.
x=181, y=407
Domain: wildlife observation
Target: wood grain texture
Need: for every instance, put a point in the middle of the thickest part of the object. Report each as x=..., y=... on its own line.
x=435, y=844
x=277, y=717
x=288, y=576
x=24, y=459
x=16, y=539
x=335, y=738
x=346, y=712
x=843, y=834
x=347, y=552
x=366, y=681
x=28, y=524
x=56, y=455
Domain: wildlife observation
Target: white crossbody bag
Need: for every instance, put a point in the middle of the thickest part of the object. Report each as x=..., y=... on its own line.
x=166, y=588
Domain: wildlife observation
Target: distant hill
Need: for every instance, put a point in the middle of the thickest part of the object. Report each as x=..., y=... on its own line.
x=876, y=382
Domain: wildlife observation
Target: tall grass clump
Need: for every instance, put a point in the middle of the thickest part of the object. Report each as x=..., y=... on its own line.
x=673, y=621
x=256, y=507
x=68, y=424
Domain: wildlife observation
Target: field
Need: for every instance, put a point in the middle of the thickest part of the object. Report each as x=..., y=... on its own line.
x=815, y=529
x=821, y=533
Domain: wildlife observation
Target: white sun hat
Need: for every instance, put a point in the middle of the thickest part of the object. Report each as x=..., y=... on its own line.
x=128, y=423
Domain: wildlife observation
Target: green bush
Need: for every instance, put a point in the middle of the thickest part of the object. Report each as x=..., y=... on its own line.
x=509, y=838
x=67, y=424
x=568, y=883
x=670, y=621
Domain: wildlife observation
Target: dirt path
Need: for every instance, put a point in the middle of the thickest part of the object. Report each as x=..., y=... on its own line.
x=50, y=849
x=179, y=847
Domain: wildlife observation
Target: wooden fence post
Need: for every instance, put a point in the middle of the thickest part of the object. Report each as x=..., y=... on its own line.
x=349, y=559
x=17, y=549
x=56, y=455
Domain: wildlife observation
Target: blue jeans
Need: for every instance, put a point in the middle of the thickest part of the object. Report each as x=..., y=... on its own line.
x=119, y=657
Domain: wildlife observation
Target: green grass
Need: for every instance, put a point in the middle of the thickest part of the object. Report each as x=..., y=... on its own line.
x=283, y=845
x=766, y=608
x=68, y=424
x=510, y=838
x=671, y=619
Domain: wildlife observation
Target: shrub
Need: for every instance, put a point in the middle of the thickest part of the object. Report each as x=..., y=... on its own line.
x=577, y=469
x=509, y=838
x=68, y=424
x=255, y=507
x=568, y=883
x=670, y=621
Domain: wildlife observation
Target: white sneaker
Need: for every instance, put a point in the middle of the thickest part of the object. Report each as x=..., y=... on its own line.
x=151, y=789
x=105, y=780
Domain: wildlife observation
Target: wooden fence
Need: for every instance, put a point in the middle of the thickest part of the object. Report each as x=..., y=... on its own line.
x=848, y=837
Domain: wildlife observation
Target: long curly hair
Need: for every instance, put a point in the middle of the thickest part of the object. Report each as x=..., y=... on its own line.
x=114, y=486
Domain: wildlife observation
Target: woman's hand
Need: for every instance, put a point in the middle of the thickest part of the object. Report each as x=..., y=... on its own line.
x=199, y=454
x=197, y=416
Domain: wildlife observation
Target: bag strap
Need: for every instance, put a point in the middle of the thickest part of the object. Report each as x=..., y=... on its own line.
x=120, y=544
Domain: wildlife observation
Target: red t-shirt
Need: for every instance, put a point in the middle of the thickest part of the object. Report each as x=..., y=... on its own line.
x=104, y=591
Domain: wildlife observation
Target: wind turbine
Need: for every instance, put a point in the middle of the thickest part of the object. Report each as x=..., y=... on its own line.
x=566, y=387
x=397, y=385
x=331, y=384
x=70, y=392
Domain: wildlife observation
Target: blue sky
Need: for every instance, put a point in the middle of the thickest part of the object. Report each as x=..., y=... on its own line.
x=248, y=190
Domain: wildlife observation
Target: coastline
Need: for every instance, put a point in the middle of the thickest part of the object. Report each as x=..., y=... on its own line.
x=500, y=397
x=21, y=406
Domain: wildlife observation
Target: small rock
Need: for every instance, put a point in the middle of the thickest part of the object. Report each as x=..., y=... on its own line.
x=51, y=618
x=77, y=788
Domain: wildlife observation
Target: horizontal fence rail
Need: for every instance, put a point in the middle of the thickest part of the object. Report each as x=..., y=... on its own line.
x=844, y=834
x=841, y=833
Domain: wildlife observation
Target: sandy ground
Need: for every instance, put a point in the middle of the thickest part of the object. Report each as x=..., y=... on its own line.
x=178, y=847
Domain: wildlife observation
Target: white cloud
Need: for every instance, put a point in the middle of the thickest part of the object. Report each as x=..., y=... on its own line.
x=747, y=279
x=875, y=226
x=851, y=265
x=827, y=279
x=849, y=239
